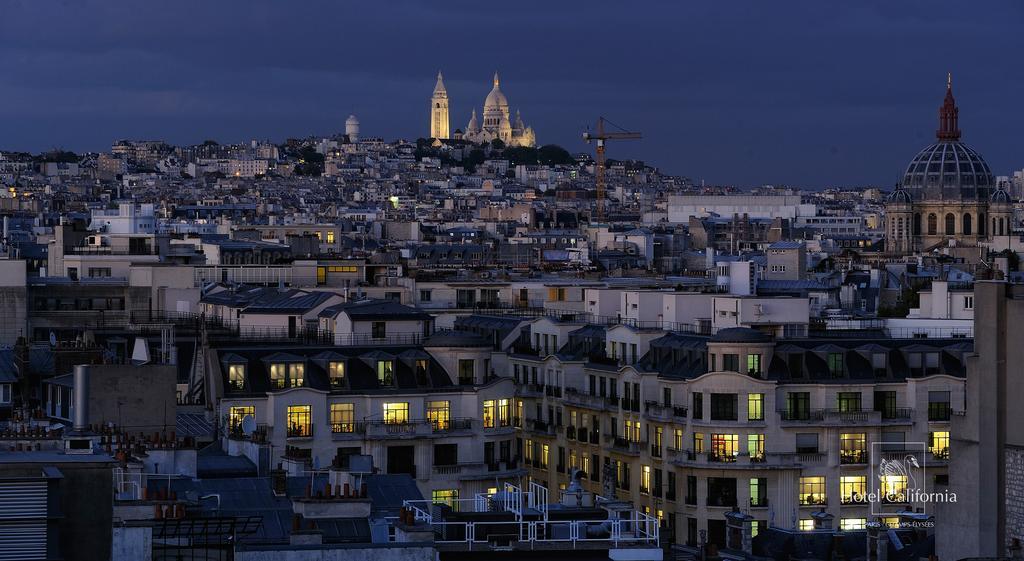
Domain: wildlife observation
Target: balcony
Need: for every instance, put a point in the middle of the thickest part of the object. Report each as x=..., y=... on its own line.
x=758, y=502
x=722, y=500
x=813, y=499
x=847, y=457
x=581, y=434
x=577, y=398
x=570, y=432
x=539, y=427
x=624, y=446
x=655, y=451
x=802, y=415
x=657, y=412
x=897, y=415
x=553, y=391
x=679, y=412
x=300, y=431
x=530, y=390
x=631, y=405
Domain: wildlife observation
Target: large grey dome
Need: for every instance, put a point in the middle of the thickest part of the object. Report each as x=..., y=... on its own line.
x=948, y=170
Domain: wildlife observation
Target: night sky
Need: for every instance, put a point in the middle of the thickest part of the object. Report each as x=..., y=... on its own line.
x=811, y=93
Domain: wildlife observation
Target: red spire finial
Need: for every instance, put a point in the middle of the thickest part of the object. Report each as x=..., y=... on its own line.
x=948, y=115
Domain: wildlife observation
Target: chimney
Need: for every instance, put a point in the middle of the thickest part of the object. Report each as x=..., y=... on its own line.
x=80, y=440
x=81, y=398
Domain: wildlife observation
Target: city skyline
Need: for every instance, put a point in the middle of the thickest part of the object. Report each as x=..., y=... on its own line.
x=811, y=100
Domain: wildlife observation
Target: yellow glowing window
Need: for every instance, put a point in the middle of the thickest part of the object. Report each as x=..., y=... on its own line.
x=278, y=373
x=336, y=372
x=853, y=448
x=300, y=420
x=893, y=488
x=503, y=412
x=236, y=376
x=847, y=524
x=237, y=413
x=385, y=372
x=645, y=479
x=725, y=447
x=342, y=269
x=330, y=236
x=939, y=444
x=852, y=489
x=806, y=524
x=489, y=414
x=677, y=439
x=448, y=497
x=698, y=443
x=545, y=455
x=396, y=413
x=439, y=414
x=755, y=407
x=812, y=490
x=296, y=374
x=343, y=417
x=528, y=450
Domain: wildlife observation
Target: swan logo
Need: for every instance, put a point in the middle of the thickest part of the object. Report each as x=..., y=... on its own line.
x=899, y=479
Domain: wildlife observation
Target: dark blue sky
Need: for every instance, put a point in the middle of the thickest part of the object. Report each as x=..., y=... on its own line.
x=809, y=93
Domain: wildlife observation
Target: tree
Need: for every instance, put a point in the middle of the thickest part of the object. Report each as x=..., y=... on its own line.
x=553, y=154
x=497, y=144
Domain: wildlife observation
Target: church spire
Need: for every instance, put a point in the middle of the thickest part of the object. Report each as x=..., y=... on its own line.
x=496, y=80
x=949, y=114
x=439, y=87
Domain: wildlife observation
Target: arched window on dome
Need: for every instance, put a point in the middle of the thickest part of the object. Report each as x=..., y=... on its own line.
x=950, y=224
x=933, y=224
x=966, y=224
x=917, y=223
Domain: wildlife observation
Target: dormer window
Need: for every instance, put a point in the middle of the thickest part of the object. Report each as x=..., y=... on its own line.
x=287, y=375
x=236, y=376
x=278, y=375
x=835, y=364
x=421, y=371
x=386, y=372
x=336, y=373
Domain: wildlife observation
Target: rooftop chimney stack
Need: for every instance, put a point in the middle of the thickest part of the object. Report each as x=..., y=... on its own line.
x=81, y=398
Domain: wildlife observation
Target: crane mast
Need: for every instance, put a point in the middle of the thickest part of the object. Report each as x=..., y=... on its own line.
x=600, y=136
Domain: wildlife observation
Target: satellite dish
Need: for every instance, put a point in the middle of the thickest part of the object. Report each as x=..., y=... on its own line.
x=248, y=424
x=53, y=339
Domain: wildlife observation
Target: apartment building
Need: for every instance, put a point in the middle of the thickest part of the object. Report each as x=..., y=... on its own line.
x=694, y=426
x=431, y=410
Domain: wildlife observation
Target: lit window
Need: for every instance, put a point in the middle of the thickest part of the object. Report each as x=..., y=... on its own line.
x=448, y=497
x=852, y=489
x=754, y=365
x=385, y=372
x=893, y=488
x=755, y=447
x=698, y=443
x=812, y=490
x=847, y=524
x=939, y=444
x=342, y=417
x=489, y=414
x=806, y=524
x=645, y=480
x=336, y=371
x=677, y=439
x=853, y=448
x=299, y=421
x=755, y=407
x=237, y=413
x=396, y=413
x=724, y=447
x=439, y=414
x=236, y=376
x=278, y=373
x=296, y=374
x=545, y=455
x=503, y=412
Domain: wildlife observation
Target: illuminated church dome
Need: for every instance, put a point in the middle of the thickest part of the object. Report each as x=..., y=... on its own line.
x=948, y=169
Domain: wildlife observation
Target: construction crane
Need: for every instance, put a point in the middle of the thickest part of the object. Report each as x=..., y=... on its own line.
x=601, y=136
